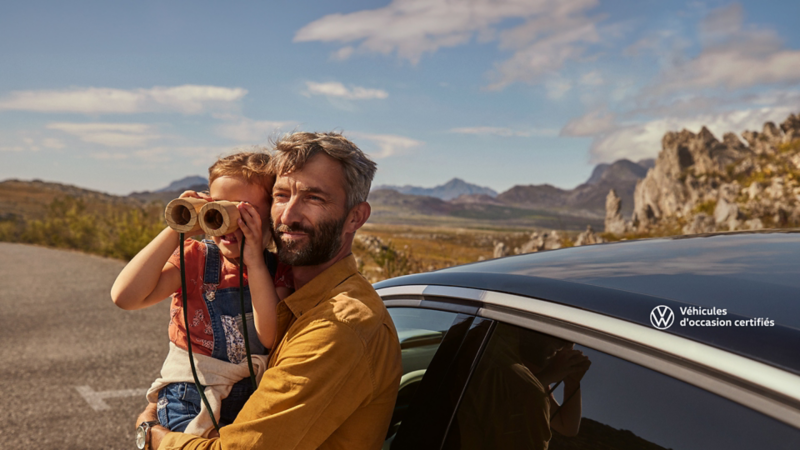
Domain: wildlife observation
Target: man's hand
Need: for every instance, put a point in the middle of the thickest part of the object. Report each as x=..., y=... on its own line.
x=157, y=432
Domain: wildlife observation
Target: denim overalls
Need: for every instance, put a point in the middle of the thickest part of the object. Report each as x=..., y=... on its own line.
x=179, y=403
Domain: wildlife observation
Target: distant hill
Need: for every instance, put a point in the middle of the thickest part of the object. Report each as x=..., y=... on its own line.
x=530, y=204
x=389, y=206
x=448, y=191
x=175, y=189
x=185, y=183
x=30, y=199
x=621, y=176
x=455, y=203
x=590, y=197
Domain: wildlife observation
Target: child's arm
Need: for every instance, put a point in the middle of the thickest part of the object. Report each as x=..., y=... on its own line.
x=568, y=420
x=149, y=278
x=262, y=290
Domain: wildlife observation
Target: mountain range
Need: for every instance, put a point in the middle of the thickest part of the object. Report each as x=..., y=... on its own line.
x=455, y=203
x=585, y=200
x=448, y=191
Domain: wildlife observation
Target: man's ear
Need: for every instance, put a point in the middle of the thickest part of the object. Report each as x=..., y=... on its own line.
x=357, y=217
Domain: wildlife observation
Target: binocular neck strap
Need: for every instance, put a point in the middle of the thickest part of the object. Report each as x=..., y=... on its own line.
x=200, y=387
x=244, y=316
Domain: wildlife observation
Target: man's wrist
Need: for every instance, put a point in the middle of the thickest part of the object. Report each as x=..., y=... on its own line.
x=144, y=434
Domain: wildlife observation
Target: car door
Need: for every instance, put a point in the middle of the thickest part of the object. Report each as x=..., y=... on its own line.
x=480, y=389
x=440, y=341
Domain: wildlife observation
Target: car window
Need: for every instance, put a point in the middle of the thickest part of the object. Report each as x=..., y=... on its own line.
x=508, y=403
x=421, y=332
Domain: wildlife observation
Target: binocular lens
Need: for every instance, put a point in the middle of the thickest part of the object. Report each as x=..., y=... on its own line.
x=213, y=219
x=181, y=215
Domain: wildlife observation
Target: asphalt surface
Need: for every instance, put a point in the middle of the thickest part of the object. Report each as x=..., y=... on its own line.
x=73, y=366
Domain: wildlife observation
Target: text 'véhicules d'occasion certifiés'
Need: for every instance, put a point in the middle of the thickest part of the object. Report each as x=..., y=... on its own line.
x=698, y=317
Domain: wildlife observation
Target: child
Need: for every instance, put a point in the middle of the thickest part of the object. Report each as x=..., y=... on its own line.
x=214, y=311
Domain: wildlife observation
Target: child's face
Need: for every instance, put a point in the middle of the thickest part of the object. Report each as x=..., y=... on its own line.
x=237, y=190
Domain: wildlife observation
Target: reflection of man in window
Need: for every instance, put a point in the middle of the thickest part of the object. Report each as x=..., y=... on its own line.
x=509, y=404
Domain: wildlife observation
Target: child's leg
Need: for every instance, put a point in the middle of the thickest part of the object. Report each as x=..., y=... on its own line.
x=233, y=403
x=178, y=404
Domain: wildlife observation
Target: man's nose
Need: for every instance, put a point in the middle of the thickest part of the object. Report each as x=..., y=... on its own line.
x=290, y=212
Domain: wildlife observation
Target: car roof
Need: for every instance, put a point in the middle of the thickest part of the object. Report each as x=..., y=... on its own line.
x=749, y=275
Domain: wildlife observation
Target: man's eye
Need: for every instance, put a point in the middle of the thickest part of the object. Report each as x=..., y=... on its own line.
x=315, y=198
x=279, y=195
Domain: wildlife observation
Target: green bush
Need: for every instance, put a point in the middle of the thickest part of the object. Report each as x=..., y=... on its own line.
x=117, y=231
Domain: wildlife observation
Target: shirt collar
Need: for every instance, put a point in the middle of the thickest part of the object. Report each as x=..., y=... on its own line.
x=316, y=290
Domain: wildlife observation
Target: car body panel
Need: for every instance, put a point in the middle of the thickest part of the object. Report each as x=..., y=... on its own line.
x=747, y=274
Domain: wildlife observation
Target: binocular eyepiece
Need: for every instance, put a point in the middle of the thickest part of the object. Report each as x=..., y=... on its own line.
x=190, y=215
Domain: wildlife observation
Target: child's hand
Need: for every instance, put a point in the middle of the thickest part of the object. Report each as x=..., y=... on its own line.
x=250, y=224
x=195, y=194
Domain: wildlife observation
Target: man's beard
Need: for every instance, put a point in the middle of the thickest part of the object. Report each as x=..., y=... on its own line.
x=323, y=243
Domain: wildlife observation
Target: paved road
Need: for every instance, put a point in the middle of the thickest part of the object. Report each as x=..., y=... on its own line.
x=73, y=367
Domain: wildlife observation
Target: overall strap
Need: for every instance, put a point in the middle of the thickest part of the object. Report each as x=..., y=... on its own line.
x=272, y=263
x=213, y=267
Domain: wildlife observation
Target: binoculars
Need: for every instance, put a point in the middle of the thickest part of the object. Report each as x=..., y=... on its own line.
x=190, y=215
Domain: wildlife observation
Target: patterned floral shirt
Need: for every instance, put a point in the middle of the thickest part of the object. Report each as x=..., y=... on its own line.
x=199, y=321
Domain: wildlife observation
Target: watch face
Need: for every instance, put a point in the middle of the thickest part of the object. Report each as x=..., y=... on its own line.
x=141, y=437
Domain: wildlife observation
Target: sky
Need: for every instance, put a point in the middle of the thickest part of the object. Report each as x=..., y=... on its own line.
x=129, y=96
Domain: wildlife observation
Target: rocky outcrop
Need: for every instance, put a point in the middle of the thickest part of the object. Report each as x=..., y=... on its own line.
x=500, y=250
x=588, y=237
x=541, y=241
x=700, y=184
x=615, y=224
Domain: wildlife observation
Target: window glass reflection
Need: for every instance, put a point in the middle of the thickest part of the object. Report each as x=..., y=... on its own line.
x=534, y=391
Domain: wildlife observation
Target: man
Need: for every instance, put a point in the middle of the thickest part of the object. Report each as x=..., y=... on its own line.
x=333, y=377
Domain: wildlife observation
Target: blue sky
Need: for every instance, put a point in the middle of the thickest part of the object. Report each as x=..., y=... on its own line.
x=123, y=97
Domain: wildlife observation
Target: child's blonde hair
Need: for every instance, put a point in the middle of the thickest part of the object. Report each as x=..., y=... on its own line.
x=252, y=167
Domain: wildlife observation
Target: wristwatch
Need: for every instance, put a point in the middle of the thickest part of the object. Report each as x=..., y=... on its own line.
x=143, y=434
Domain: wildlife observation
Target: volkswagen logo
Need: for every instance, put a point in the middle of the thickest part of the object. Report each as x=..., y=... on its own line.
x=662, y=317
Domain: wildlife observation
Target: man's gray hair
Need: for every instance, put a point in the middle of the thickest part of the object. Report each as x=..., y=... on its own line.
x=292, y=151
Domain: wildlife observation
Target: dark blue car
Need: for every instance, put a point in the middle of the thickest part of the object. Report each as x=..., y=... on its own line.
x=677, y=343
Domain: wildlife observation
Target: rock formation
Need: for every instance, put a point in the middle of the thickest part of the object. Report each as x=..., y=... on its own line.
x=540, y=242
x=589, y=237
x=614, y=222
x=500, y=250
x=700, y=184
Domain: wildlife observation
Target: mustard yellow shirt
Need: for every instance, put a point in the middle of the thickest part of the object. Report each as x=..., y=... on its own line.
x=332, y=379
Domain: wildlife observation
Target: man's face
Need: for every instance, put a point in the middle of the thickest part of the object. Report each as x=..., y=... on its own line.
x=308, y=212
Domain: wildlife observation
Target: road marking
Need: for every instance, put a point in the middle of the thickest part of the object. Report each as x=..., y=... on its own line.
x=97, y=399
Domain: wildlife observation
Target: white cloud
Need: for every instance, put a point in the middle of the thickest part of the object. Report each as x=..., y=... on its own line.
x=643, y=140
x=53, y=143
x=591, y=124
x=385, y=145
x=733, y=57
x=338, y=90
x=343, y=53
x=186, y=99
x=592, y=78
x=110, y=134
x=253, y=131
x=552, y=32
x=109, y=156
x=557, y=87
x=197, y=156
x=504, y=132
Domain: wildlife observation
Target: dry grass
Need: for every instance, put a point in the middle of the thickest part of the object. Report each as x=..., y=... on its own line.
x=433, y=248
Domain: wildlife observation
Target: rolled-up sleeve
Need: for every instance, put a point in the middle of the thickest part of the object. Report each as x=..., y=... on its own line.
x=319, y=377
